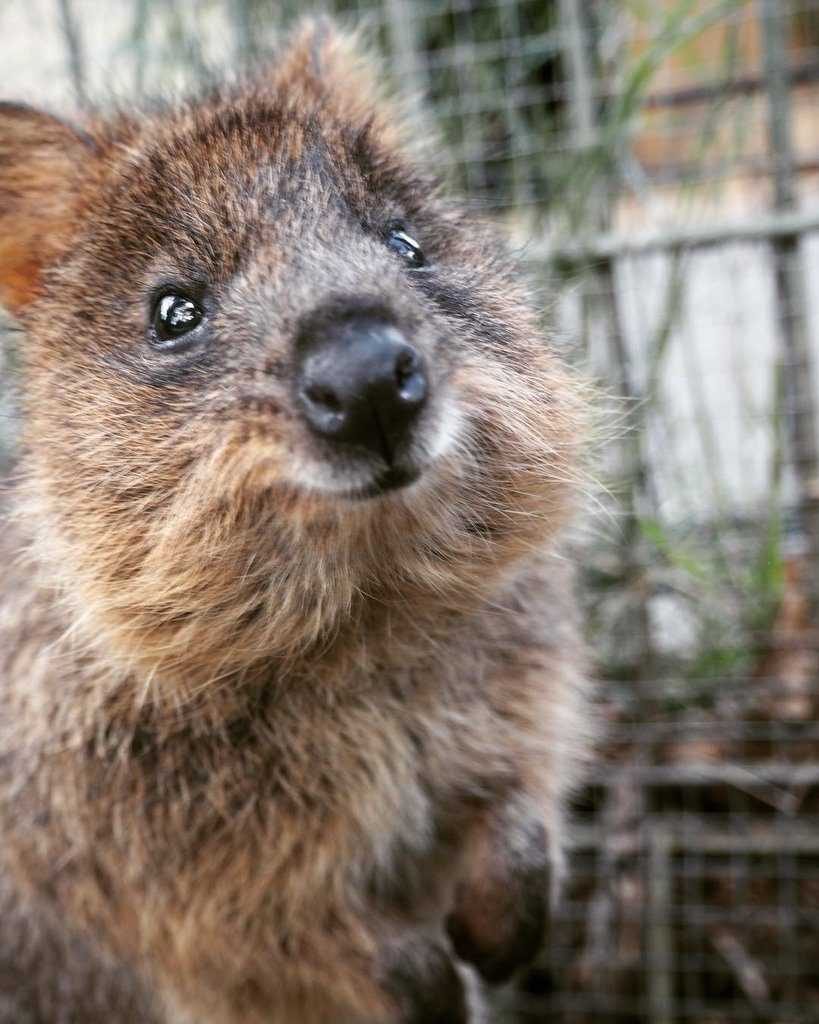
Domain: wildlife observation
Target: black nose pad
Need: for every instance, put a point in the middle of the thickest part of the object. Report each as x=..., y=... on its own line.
x=362, y=384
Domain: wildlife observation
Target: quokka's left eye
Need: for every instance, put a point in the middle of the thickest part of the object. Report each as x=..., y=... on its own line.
x=175, y=316
x=405, y=246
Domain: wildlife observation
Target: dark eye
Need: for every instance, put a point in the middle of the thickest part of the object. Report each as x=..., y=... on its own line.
x=174, y=317
x=406, y=247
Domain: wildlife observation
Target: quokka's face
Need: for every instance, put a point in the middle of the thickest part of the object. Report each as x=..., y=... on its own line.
x=268, y=278
x=268, y=370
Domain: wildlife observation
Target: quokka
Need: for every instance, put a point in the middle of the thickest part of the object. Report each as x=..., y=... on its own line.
x=292, y=692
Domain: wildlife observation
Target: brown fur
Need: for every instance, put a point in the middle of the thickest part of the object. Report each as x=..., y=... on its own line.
x=255, y=733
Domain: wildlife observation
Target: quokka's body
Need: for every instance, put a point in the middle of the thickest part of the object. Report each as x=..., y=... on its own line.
x=291, y=689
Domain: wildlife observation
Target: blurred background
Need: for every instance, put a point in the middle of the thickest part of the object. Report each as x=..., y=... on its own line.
x=657, y=162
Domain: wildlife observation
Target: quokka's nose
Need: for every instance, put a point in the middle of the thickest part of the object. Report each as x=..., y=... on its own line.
x=363, y=385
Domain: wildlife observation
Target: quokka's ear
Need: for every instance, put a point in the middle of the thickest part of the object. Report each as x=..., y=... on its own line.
x=319, y=56
x=41, y=162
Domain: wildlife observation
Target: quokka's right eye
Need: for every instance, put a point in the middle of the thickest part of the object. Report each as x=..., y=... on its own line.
x=405, y=246
x=174, y=322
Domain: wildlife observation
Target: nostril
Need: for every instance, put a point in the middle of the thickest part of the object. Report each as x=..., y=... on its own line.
x=324, y=407
x=406, y=365
x=322, y=394
x=410, y=377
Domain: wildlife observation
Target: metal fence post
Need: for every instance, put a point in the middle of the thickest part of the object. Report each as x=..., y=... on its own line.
x=74, y=49
x=659, y=984
x=404, y=43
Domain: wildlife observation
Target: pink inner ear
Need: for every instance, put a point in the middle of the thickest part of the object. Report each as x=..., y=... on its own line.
x=26, y=245
x=39, y=158
x=19, y=274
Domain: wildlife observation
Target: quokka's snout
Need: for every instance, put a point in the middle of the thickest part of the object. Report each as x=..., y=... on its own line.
x=367, y=355
x=362, y=387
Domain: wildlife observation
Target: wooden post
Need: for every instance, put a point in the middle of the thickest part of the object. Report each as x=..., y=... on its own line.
x=798, y=372
x=602, y=305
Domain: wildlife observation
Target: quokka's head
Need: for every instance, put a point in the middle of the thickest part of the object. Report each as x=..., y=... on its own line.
x=271, y=379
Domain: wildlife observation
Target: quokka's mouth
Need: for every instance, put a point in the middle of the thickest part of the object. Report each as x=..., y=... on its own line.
x=392, y=479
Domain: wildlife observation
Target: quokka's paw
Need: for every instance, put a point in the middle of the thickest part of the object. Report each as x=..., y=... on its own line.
x=501, y=906
x=425, y=985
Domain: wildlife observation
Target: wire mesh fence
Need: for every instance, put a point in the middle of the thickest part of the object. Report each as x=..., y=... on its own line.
x=658, y=164
x=695, y=875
